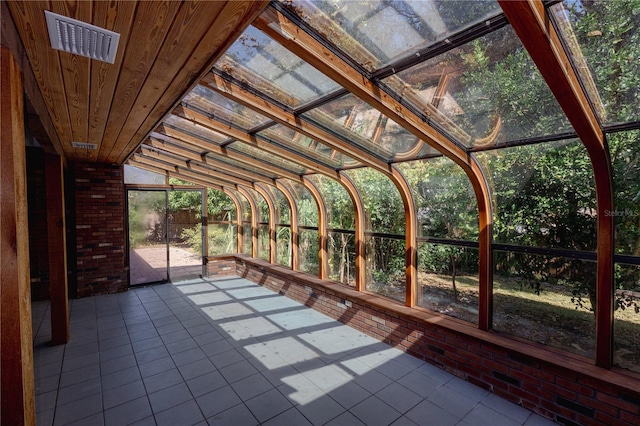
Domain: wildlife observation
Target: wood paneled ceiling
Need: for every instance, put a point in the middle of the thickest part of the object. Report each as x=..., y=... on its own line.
x=165, y=48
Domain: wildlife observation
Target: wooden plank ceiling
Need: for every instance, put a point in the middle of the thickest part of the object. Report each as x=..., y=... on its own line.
x=165, y=48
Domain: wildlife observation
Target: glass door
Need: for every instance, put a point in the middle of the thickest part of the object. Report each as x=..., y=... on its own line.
x=148, y=244
x=185, y=234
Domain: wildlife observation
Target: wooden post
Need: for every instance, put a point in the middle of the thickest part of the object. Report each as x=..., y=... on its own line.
x=57, y=243
x=16, y=359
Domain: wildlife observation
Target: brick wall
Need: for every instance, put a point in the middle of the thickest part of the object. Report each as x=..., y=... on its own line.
x=221, y=266
x=557, y=385
x=100, y=229
x=38, y=243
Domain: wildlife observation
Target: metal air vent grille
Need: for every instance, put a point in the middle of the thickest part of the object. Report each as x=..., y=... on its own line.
x=80, y=38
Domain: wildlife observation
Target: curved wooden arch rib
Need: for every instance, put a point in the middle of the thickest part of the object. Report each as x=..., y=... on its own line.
x=531, y=24
x=322, y=227
x=295, y=236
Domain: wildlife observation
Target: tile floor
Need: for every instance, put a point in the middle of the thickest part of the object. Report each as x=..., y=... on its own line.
x=229, y=352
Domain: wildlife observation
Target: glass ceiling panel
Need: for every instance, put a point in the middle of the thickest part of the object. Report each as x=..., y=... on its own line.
x=195, y=129
x=360, y=124
x=268, y=67
x=603, y=39
x=375, y=33
x=314, y=150
x=267, y=158
x=238, y=165
x=224, y=109
x=483, y=93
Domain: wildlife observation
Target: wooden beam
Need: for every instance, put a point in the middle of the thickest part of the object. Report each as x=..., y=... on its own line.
x=244, y=137
x=539, y=37
x=11, y=39
x=203, y=163
x=57, y=243
x=16, y=352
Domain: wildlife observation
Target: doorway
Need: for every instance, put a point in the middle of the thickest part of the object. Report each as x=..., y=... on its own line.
x=165, y=230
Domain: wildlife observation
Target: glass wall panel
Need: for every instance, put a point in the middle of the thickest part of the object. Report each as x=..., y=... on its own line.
x=384, y=214
x=263, y=243
x=625, y=155
x=176, y=181
x=546, y=299
x=385, y=270
x=543, y=195
x=283, y=245
x=341, y=255
x=247, y=239
x=340, y=209
x=603, y=39
x=186, y=236
x=626, y=345
x=267, y=66
x=222, y=228
x=247, y=242
x=445, y=202
x=448, y=280
x=135, y=175
x=308, y=244
x=484, y=92
x=368, y=30
x=222, y=238
x=383, y=206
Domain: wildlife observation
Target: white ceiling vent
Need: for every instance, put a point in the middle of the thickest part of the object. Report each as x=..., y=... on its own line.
x=83, y=39
x=84, y=145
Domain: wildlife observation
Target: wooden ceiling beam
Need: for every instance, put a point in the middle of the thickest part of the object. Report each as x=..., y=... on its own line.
x=202, y=162
x=241, y=136
x=184, y=171
x=532, y=25
x=245, y=160
x=286, y=118
x=213, y=150
x=133, y=162
x=195, y=166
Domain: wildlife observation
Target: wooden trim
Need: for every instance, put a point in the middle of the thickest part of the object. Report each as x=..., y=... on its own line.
x=57, y=243
x=16, y=355
x=539, y=37
x=322, y=228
